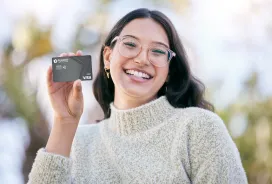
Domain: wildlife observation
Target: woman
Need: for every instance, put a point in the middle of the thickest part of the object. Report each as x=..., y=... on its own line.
x=157, y=126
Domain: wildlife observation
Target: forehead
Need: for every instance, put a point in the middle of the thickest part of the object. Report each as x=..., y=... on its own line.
x=146, y=30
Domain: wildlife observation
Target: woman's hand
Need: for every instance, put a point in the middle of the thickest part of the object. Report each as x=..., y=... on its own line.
x=66, y=97
x=67, y=102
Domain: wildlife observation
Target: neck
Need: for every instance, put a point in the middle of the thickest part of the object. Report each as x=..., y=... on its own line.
x=139, y=119
x=124, y=102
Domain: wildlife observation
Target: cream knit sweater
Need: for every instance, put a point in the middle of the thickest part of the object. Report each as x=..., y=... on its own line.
x=153, y=143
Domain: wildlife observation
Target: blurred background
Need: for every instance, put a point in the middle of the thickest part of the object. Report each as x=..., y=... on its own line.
x=229, y=44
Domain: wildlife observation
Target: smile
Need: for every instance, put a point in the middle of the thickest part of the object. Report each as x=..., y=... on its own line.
x=138, y=74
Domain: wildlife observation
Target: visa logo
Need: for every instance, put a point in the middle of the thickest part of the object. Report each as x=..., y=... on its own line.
x=87, y=77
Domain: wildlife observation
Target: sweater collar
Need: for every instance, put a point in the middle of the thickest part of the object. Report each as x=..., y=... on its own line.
x=144, y=117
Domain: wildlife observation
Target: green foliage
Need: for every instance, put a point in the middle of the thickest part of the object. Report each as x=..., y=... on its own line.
x=255, y=145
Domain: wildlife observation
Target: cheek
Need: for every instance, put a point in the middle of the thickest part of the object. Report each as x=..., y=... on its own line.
x=162, y=73
x=115, y=61
x=161, y=76
x=116, y=67
x=117, y=64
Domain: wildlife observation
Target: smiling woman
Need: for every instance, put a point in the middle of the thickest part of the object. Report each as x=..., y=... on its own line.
x=158, y=128
x=137, y=53
x=143, y=44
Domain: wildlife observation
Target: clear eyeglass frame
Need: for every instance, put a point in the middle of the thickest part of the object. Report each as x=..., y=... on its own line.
x=171, y=53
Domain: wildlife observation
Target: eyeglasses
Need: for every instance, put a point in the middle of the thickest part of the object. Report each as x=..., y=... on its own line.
x=157, y=54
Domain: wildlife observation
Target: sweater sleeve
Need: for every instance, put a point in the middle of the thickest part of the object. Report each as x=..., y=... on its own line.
x=214, y=156
x=50, y=168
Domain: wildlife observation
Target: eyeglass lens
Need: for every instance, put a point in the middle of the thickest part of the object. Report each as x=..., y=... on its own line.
x=157, y=54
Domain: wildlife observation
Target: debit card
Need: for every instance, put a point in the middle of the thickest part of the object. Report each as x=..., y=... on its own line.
x=65, y=69
x=71, y=68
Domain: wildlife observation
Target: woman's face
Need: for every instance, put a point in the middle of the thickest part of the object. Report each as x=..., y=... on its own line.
x=137, y=77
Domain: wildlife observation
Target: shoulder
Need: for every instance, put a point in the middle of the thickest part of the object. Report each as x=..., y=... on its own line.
x=203, y=128
x=198, y=119
x=197, y=113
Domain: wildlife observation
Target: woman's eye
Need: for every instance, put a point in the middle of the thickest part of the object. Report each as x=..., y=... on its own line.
x=158, y=51
x=130, y=44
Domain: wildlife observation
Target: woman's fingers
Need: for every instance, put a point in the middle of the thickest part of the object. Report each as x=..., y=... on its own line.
x=79, y=53
x=49, y=75
x=71, y=54
x=77, y=90
x=63, y=54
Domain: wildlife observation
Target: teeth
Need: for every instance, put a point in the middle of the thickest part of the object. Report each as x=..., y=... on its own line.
x=138, y=74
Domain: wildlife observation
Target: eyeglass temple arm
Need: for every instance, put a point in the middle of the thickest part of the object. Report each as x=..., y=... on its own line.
x=117, y=37
x=173, y=54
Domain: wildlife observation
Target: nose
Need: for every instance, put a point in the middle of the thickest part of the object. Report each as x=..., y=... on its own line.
x=142, y=57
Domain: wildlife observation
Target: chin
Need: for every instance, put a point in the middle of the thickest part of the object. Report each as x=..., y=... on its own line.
x=138, y=93
x=135, y=93
x=135, y=89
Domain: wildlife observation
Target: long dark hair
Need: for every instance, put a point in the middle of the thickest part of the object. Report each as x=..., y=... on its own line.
x=183, y=89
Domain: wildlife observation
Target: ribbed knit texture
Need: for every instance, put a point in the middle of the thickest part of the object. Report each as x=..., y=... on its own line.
x=153, y=143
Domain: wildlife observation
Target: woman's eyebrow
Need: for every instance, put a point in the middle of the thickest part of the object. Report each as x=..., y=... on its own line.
x=152, y=41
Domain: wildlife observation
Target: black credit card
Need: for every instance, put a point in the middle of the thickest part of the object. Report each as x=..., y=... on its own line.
x=71, y=68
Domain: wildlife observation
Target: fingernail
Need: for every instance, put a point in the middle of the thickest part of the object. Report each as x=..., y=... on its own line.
x=78, y=83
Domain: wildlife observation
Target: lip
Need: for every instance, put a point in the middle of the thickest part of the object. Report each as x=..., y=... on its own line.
x=138, y=70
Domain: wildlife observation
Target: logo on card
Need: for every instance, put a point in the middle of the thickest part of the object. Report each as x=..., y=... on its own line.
x=61, y=60
x=87, y=77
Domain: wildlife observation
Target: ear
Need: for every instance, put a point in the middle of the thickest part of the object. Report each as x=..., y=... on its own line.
x=107, y=56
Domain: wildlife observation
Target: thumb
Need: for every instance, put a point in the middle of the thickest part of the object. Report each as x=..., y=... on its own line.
x=77, y=90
